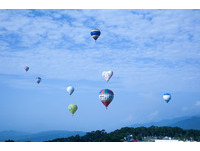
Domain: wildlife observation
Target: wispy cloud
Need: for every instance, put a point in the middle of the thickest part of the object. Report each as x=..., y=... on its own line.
x=129, y=120
x=150, y=51
x=197, y=103
x=153, y=114
x=184, y=108
x=142, y=47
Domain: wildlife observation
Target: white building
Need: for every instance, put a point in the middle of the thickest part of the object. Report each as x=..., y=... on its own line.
x=162, y=140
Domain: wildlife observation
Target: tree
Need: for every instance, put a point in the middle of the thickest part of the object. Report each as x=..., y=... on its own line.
x=137, y=133
x=9, y=140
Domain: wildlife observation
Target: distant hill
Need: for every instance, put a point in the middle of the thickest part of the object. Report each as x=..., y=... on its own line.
x=191, y=123
x=182, y=122
x=37, y=137
x=13, y=135
x=130, y=134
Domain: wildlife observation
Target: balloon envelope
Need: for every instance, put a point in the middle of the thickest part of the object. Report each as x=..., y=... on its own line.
x=38, y=80
x=106, y=96
x=72, y=108
x=167, y=97
x=70, y=90
x=26, y=68
x=95, y=33
x=107, y=75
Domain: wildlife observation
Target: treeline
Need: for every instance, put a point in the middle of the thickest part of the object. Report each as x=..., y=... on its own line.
x=139, y=133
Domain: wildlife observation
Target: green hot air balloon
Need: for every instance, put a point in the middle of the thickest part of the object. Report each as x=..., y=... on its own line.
x=72, y=108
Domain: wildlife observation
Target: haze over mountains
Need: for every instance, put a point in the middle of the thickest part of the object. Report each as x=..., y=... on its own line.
x=182, y=122
x=37, y=137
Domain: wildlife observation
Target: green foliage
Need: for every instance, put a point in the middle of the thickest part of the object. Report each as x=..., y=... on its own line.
x=9, y=140
x=138, y=134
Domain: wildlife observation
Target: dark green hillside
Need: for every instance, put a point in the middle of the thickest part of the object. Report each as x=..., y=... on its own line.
x=139, y=133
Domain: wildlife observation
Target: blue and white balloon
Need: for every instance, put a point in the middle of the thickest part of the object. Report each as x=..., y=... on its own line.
x=167, y=97
x=95, y=33
x=70, y=90
x=38, y=80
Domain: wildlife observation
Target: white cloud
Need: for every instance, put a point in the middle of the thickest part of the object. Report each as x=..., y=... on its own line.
x=197, y=103
x=153, y=114
x=129, y=120
x=146, y=49
x=184, y=108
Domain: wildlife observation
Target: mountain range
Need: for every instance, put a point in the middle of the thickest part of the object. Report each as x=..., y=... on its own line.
x=37, y=137
x=182, y=122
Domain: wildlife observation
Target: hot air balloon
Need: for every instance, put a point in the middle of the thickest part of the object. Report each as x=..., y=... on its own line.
x=106, y=96
x=38, y=80
x=72, y=108
x=107, y=75
x=70, y=90
x=95, y=33
x=26, y=68
x=166, y=97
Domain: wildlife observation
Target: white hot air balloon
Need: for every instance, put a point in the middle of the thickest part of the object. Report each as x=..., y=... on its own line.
x=107, y=75
x=166, y=97
x=70, y=90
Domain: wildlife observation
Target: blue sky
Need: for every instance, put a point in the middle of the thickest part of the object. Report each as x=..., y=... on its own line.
x=151, y=52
